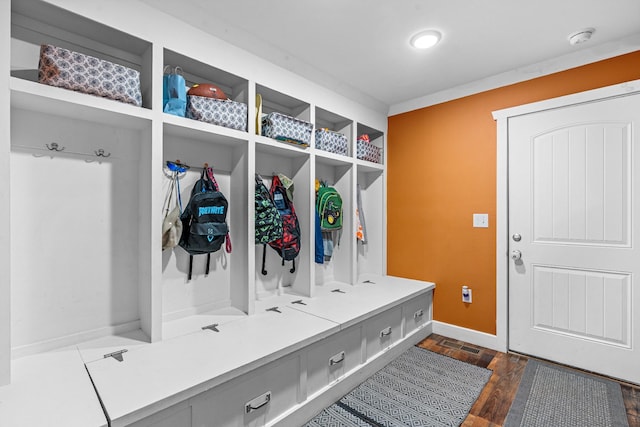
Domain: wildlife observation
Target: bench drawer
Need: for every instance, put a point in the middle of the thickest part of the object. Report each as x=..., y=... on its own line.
x=254, y=399
x=383, y=330
x=416, y=313
x=332, y=358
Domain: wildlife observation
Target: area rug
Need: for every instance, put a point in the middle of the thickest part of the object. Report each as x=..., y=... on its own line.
x=551, y=395
x=419, y=388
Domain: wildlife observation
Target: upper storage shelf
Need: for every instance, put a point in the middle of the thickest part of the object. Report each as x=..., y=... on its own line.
x=334, y=135
x=370, y=154
x=34, y=23
x=229, y=113
x=282, y=118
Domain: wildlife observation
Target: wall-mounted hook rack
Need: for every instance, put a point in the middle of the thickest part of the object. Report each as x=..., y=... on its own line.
x=177, y=166
x=100, y=153
x=213, y=327
x=54, y=147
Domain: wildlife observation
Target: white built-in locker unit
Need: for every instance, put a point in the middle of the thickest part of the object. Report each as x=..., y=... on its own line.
x=98, y=325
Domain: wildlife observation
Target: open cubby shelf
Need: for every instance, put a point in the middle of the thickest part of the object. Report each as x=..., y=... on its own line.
x=88, y=183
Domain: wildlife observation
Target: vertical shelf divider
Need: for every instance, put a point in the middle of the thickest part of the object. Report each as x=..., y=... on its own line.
x=5, y=199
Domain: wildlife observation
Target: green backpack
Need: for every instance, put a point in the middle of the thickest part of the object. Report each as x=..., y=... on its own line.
x=329, y=205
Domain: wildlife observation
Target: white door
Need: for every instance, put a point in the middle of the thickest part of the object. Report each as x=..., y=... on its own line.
x=574, y=221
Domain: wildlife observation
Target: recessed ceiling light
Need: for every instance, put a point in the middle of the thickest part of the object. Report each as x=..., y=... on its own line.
x=425, y=39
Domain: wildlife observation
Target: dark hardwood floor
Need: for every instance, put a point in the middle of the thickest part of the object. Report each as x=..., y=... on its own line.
x=491, y=408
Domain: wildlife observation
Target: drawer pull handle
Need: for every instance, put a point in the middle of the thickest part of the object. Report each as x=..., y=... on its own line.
x=336, y=359
x=418, y=314
x=258, y=402
x=385, y=332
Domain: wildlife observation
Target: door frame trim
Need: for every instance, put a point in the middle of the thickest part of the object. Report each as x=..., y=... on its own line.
x=502, y=186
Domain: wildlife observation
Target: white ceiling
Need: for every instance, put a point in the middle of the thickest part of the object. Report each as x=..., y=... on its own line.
x=360, y=47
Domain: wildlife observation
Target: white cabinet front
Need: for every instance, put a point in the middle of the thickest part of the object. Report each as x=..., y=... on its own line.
x=331, y=359
x=252, y=400
x=382, y=331
x=416, y=313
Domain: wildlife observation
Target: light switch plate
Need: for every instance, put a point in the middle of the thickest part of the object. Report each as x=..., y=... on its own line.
x=481, y=220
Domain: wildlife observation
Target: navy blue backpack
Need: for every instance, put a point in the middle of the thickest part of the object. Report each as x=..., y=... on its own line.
x=204, y=220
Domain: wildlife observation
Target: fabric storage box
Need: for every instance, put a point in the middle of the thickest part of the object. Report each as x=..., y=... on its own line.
x=221, y=112
x=367, y=151
x=287, y=128
x=87, y=74
x=333, y=142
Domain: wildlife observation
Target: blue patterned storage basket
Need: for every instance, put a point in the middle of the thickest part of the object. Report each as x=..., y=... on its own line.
x=221, y=112
x=87, y=74
x=368, y=151
x=287, y=128
x=333, y=142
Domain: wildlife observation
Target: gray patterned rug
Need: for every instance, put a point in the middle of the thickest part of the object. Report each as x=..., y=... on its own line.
x=419, y=388
x=551, y=395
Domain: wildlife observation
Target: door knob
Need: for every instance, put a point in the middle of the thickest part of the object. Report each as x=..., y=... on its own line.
x=516, y=255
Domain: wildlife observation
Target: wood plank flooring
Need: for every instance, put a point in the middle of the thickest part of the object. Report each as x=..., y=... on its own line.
x=491, y=408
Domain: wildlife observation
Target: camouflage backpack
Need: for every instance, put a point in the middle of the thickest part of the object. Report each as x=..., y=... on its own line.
x=268, y=221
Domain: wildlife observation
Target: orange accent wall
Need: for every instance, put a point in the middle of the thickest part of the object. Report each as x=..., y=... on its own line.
x=442, y=169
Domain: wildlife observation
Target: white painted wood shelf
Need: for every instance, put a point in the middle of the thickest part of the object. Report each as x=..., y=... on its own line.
x=99, y=283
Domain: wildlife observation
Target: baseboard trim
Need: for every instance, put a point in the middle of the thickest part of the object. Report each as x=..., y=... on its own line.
x=478, y=338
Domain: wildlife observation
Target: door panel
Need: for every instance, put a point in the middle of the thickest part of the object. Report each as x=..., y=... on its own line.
x=581, y=180
x=581, y=303
x=573, y=190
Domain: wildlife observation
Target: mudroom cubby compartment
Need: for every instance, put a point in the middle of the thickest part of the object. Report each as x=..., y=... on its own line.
x=78, y=271
x=371, y=252
x=274, y=101
x=222, y=294
x=333, y=122
x=34, y=23
x=338, y=265
x=197, y=72
x=275, y=278
x=376, y=139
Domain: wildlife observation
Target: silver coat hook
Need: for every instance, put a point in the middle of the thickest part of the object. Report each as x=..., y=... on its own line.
x=54, y=147
x=100, y=153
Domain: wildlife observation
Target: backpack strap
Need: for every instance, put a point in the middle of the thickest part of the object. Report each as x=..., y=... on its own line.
x=169, y=196
x=216, y=187
x=177, y=185
x=264, y=259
